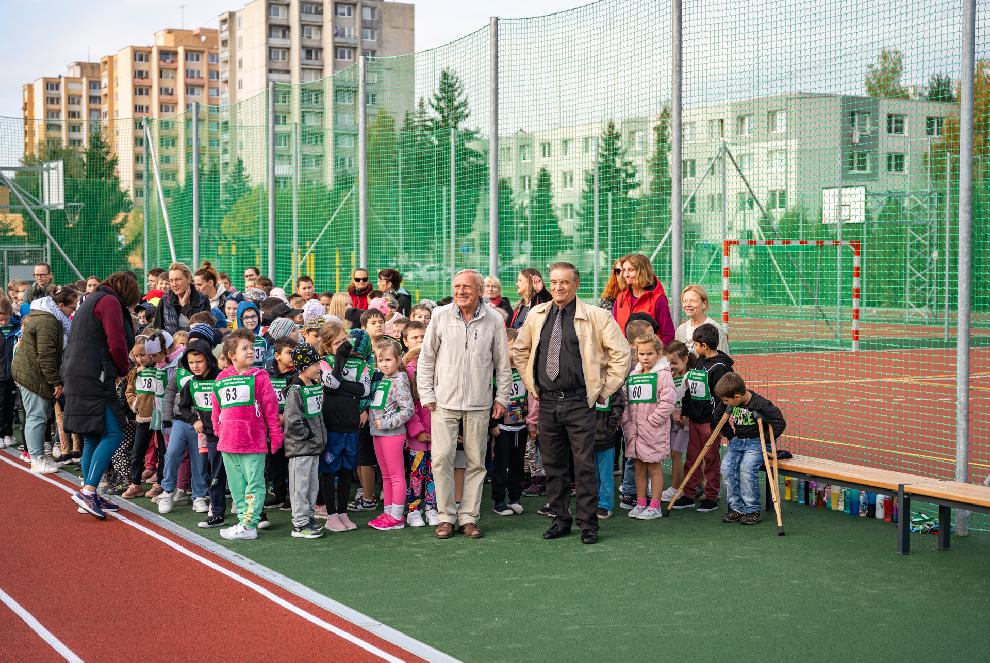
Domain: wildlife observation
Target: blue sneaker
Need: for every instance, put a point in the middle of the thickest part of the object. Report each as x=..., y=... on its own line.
x=106, y=504
x=89, y=504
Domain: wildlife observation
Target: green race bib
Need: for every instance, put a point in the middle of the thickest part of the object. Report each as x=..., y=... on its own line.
x=150, y=381
x=678, y=390
x=353, y=367
x=607, y=407
x=518, y=390
x=642, y=388
x=260, y=349
x=202, y=394
x=312, y=400
x=279, y=385
x=380, y=397
x=697, y=385
x=235, y=391
x=182, y=376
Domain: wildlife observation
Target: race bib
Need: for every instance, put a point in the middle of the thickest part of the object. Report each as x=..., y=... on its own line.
x=202, y=394
x=697, y=385
x=606, y=407
x=260, y=350
x=678, y=390
x=642, y=388
x=182, y=376
x=312, y=399
x=235, y=391
x=150, y=381
x=352, y=367
x=279, y=385
x=380, y=397
x=518, y=390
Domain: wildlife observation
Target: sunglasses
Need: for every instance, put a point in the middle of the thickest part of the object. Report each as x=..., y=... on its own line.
x=357, y=280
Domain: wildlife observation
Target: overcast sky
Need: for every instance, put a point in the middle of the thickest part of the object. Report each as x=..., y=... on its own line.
x=41, y=38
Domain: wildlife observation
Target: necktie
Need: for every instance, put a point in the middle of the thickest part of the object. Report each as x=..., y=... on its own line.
x=553, y=352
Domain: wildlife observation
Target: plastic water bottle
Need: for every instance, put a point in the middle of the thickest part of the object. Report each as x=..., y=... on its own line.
x=853, y=502
x=835, y=498
x=888, y=511
x=801, y=487
x=841, y=499
x=787, y=489
x=881, y=504
x=864, y=503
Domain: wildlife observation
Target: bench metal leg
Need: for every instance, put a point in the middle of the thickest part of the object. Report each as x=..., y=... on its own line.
x=944, y=527
x=903, y=522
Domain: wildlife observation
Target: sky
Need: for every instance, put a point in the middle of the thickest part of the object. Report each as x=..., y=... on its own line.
x=41, y=38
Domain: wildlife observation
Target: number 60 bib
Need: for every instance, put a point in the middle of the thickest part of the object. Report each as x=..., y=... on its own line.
x=235, y=391
x=642, y=388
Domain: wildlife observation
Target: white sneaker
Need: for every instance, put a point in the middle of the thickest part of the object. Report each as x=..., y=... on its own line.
x=180, y=497
x=166, y=501
x=649, y=513
x=432, y=517
x=57, y=463
x=415, y=519
x=636, y=510
x=516, y=507
x=239, y=532
x=668, y=494
x=201, y=505
x=6, y=441
x=42, y=465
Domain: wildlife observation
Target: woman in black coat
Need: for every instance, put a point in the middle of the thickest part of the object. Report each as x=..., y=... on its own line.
x=96, y=356
x=181, y=302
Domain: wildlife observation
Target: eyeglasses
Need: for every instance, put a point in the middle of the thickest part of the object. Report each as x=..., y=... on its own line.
x=357, y=280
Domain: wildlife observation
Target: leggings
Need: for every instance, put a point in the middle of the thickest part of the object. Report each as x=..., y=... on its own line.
x=99, y=449
x=218, y=479
x=142, y=438
x=388, y=451
x=422, y=491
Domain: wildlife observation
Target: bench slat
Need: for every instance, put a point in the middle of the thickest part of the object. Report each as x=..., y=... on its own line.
x=858, y=474
x=953, y=491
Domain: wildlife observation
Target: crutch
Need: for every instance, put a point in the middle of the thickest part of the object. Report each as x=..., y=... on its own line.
x=697, y=462
x=771, y=472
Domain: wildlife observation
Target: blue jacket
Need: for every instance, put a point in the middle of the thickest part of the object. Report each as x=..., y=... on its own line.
x=9, y=336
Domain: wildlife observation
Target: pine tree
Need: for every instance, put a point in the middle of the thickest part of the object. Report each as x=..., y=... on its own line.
x=653, y=214
x=940, y=88
x=616, y=179
x=544, y=226
x=383, y=190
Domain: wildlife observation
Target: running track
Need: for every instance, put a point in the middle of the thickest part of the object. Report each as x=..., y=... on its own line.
x=125, y=588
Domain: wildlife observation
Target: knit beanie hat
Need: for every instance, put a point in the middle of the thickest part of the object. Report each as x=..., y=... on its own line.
x=314, y=323
x=313, y=309
x=304, y=355
x=203, y=331
x=255, y=295
x=281, y=327
x=158, y=343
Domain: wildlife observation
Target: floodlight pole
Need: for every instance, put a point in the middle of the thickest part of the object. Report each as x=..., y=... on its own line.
x=595, y=243
x=161, y=194
x=271, y=181
x=147, y=205
x=195, y=184
x=362, y=162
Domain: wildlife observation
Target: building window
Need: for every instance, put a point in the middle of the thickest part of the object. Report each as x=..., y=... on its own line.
x=194, y=73
x=344, y=10
x=689, y=131
x=213, y=75
x=312, y=138
x=860, y=122
x=51, y=101
x=546, y=151
x=777, y=200
x=344, y=97
x=74, y=100
x=213, y=58
x=565, y=147
x=714, y=202
x=716, y=129
x=311, y=8
x=312, y=97
x=369, y=34
x=276, y=11
x=778, y=121
x=194, y=90
x=52, y=87
x=214, y=92
x=281, y=118
x=141, y=56
x=369, y=13
x=934, y=126
x=524, y=152
x=193, y=56
x=744, y=201
x=369, y=52
x=142, y=92
x=312, y=32
x=345, y=54
x=688, y=169
x=567, y=212
x=281, y=139
x=895, y=163
x=778, y=161
x=140, y=108
x=344, y=141
x=345, y=120
x=143, y=74
x=692, y=205
x=896, y=124
x=637, y=140
x=282, y=96
x=313, y=54
x=166, y=75
x=53, y=115
x=746, y=163
x=590, y=144
x=164, y=91
x=525, y=183
x=345, y=163
x=859, y=162
x=278, y=32
x=745, y=125
x=567, y=178
x=278, y=54
x=312, y=118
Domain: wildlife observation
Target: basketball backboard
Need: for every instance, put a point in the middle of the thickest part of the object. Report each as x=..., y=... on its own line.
x=853, y=208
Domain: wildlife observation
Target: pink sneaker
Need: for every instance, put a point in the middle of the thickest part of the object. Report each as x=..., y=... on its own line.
x=386, y=522
x=320, y=511
x=345, y=520
x=334, y=524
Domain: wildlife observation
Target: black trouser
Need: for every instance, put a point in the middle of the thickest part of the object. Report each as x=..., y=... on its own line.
x=277, y=472
x=142, y=438
x=336, y=499
x=507, y=468
x=567, y=426
x=218, y=479
x=7, y=398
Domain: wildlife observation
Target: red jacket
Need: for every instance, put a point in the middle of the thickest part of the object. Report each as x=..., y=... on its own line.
x=653, y=302
x=358, y=300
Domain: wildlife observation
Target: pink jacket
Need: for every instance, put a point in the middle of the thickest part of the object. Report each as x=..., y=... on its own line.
x=246, y=429
x=646, y=426
x=421, y=421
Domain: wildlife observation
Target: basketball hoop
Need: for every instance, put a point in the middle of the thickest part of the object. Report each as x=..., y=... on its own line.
x=72, y=212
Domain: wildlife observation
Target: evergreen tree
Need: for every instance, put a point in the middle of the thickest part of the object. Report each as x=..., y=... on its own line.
x=238, y=184
x=511, y=224
x=653, y=214
x=544, y=226
x=383, y=190
x=616, y=177
x=420, y=196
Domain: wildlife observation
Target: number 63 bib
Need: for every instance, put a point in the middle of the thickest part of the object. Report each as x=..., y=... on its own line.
x=235, y=391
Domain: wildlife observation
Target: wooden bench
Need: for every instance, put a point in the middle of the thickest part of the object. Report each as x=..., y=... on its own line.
x=946, y=494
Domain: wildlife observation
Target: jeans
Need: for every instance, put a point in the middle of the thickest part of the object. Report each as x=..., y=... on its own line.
x=740, y=468
x=36, y=413
x=98, y=450
x=606, y=484
x=183, y=438
x=628, y=486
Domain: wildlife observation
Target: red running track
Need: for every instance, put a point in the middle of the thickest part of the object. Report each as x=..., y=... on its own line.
x=111, y=592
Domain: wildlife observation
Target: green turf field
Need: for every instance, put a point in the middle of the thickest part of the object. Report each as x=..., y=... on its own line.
x=678, y=589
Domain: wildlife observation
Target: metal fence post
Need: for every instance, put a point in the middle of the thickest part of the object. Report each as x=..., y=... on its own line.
x=271, y=181
x=147, y=205
x=493, y=150
x=676, y=212
x=362, y=162
x=596, y=225
x=453, y=198
x=296, y=267
x=195, y=184
x=965, y=251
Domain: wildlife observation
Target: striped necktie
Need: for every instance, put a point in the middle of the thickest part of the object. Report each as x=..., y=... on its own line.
x=553, y=352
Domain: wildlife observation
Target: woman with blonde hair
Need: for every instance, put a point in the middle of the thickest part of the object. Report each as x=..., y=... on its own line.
x=340, y=303
x=181, y=302
x=493, y=294
x=613, y=287
x=643, y=294
x=694, y=302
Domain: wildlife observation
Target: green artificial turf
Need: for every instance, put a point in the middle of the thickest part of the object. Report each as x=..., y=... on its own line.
x=685, y=588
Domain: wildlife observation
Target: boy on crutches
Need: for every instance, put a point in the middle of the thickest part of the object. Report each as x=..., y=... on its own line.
x=746, y=453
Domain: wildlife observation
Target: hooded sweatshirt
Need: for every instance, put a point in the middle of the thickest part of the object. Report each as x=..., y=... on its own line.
x=171, y=367
x=195, y=398
x=742, y=418
x=305, y=432
x=260, y=344
x=699, y=399
x=247, y=429
x=346, y=384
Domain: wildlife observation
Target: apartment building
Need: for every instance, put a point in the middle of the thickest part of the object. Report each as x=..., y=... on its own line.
x=62, y=110
x=160, y=81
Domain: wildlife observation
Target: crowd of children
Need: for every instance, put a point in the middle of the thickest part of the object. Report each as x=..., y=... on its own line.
x=281, y=405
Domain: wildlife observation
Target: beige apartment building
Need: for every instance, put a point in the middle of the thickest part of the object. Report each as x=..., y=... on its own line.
x=62, y=111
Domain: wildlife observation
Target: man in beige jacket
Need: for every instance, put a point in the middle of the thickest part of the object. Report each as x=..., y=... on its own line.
x=572, y=356
x=464, y=346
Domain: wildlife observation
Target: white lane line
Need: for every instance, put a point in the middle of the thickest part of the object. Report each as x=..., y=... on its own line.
x=313, y=619
x=38, y=628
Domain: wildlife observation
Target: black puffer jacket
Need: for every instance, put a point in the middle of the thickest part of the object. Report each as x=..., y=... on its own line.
x=169, y=313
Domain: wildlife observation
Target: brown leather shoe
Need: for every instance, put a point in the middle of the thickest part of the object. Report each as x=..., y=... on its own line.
x=471, y=531
x=444, y=531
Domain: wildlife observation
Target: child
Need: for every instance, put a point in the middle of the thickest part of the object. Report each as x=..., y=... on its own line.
x=608, y=419
x=421, y=313
x=9, y=334
x=391, y=407
x=412, y=336
x=281, y=328
x=636, y=327
x=346, y=381
x=305, y=438
x=245, y=417
x=198, y=397
x=230, y=310
x=510, y=435
x=140, y=396
x=742, y=462
x=363, y=341
x=249, y=318
x=698, y=405
x=282, y=372
x=649, y=392
x=421, y=490
x=680, y=359
x=311, y=331
x=165, y=358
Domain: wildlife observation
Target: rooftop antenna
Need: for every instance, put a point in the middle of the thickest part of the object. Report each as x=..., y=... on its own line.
x=182, y=16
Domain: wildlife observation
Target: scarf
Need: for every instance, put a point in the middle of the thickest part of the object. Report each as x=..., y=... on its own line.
x=48, y=305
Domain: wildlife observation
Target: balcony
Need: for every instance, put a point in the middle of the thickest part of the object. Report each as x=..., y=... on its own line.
x=279, y=41
x=345, y=41
x=170, y=63
x=311, y=18
x=280, y=78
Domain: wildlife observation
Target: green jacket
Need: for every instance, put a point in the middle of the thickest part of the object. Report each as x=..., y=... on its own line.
x=39, y=355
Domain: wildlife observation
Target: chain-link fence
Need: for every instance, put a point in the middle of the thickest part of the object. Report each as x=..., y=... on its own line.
x=805, y=120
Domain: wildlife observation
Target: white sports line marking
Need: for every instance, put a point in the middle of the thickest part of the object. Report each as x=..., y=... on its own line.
x=313, y=619
x=38, y=628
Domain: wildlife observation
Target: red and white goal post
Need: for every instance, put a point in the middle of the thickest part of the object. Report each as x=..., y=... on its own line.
x=857, y=262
